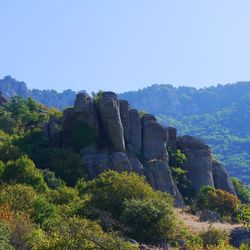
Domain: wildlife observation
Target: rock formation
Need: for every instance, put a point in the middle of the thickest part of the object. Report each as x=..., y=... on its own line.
x=198, y=161
x=201, y=168
x=221, y=178
x=108, y=134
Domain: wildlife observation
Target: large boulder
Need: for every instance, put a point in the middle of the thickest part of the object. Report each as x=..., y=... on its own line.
x=207, y=215
x=221, y=178
x=95, y=164
x=159, y=176
x=154, y=139
x=111, y=120
x=198, y=161
x=120, y=162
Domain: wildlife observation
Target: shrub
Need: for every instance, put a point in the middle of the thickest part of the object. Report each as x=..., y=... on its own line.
x=51, y=180
x=21, y=228
x=243, y=192
x=5, y=236
x=18, y=196
x=63, y=195
x=8, y=151
x=75, y=233
x=176, y=161
x=149, y=220
x=217, y=200
x=214, y=237
x=6, y=213
x=111, y=189
x=43, y=210
x=24, y=171
x=66, y=164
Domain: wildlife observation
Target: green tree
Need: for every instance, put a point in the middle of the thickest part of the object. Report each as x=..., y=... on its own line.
x=23, y=170
x=111, y=189
x=150, y=220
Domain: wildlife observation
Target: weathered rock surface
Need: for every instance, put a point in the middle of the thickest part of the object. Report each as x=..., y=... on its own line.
x=111, y=135
x=154, y=139
x=158, y=174
x=207, y=215
x=120, y=162
x=111, y=119
x=240, y=236
x=125, y=117
x=221, y=178
x=198, y=162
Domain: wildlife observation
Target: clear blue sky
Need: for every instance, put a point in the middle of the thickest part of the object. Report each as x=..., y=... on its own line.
x=124, y=44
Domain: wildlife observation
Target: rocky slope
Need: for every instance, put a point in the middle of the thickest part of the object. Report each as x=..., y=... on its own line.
x=111, y=135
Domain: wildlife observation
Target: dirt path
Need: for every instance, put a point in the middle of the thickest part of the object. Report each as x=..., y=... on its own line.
x=196, y=226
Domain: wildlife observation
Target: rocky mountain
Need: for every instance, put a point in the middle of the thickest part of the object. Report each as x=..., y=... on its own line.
x=218, y=115
x=109, y=134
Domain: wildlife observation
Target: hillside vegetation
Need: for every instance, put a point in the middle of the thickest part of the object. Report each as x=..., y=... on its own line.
x=47, y=201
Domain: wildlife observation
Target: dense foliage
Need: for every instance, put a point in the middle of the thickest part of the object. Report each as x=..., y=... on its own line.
x=176, y=161
x=217, y=200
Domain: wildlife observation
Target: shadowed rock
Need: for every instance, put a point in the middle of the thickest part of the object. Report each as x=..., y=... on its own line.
x=198, y=162
x=172, y=141
x=135, y=142
x=111, y=119
x=154, y=139
x=221, y=178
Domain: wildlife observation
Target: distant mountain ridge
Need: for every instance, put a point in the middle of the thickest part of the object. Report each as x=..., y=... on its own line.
x=182, y=101
x=11, y=87
x=220, y=114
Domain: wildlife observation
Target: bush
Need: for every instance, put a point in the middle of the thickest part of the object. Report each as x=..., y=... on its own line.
x=66, y=164
x=8, y=151
x=76, y=233
x=111, y=189
x=5, y=236
x=214, y=237
x=6, y=213
x=63, y=195
x=43, y=211
x=51, y=180
x=149, y=220
x=243, y=192
x=18, y=196
x=22, y=226
x=176, y=161
x=217, y=200
x=24, y=171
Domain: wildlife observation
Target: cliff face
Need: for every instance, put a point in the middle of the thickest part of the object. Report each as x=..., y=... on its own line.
x=110, y=135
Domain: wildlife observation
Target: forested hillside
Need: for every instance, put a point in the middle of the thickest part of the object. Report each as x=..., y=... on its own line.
x=219, y=115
